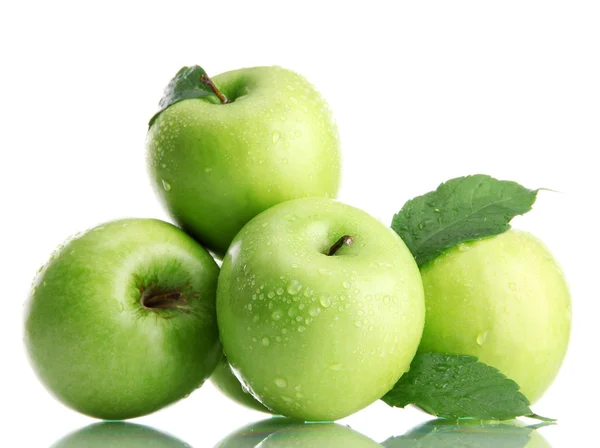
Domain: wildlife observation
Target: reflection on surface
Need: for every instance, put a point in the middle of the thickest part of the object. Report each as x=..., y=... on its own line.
x=285, y=433
x=467, y=434
x=119, y=434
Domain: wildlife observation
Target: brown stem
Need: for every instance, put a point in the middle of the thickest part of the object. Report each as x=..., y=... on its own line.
x=169, y=300
x=204, y=79
x=346, y=240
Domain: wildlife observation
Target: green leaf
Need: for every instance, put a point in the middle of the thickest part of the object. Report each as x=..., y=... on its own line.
x=186, y=84
x=461, y=209
x=463, y=434
x=458, y=386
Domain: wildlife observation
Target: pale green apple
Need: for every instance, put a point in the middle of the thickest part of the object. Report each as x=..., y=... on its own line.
x=225, y=380
x=215, y=166
x=317, y=336
x=121, y=320
x=284, y=433
x=119, y=435
x=505, y=300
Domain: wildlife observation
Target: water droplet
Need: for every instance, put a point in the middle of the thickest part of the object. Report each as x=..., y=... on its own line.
x=287, y=399
x=324, y=272
x=512, y=286
x=295, y=266
x=314, y=311
x=337, y=367
x=271, y=295
x=463, y=247
x=358, y=323
x=481, y=337
x=276, y=315
x=266, y=341
x=256, y=318
x=166, y=185
x=325, y=301
x=207, y=169
x=164, y=165
x=280, y=382
x=301, y=329
x=294, y=287
x=346, y=285
x=265, y=224
x=279, y=291
x=276, y=136
x=298, y=318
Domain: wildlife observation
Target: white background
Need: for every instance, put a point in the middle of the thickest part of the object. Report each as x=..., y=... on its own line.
x=422, y=92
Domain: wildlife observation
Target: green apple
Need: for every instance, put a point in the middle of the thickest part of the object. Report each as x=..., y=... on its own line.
x=225, y=380
x=215, y=166
x=468, y=434
x=284, y=433
x=316, y=328
x=503, y=299
x=119, y=435
x=121, y=321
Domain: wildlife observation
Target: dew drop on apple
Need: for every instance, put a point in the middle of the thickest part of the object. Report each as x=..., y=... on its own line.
x=166, y=185
x=294, y=287
x=280, y=382
x=301, y=329
x=276, y=136
x=346, y=285
x=481, y=338
x=336, y=367
x=325, y=301
x=314, y=311
x=323, y=271
x=266, y=341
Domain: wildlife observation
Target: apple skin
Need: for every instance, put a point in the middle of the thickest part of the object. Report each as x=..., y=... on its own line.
x=225, y=380
x=505, y=300
x=216, y=166
x=285, y=433
x=119, y=435
x=318, y=337
x=92, y=342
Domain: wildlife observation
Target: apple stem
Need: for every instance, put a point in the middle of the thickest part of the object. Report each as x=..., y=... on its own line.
x=346, y=240
x=169, y=300
x=204, y=79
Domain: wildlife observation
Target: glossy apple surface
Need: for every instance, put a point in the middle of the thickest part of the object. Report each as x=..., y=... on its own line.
x=505, y=300
x=215, y=166
x=119, y=435
x=225, y=380
x=314, y=336
x=121, y=320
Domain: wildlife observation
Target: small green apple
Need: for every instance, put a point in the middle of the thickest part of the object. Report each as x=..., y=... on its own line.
x=503, y=299
x=121, y=321
x=119, y=435
x=215, y=166
x=225, y=380
x=318, y=328
x=285, y=433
